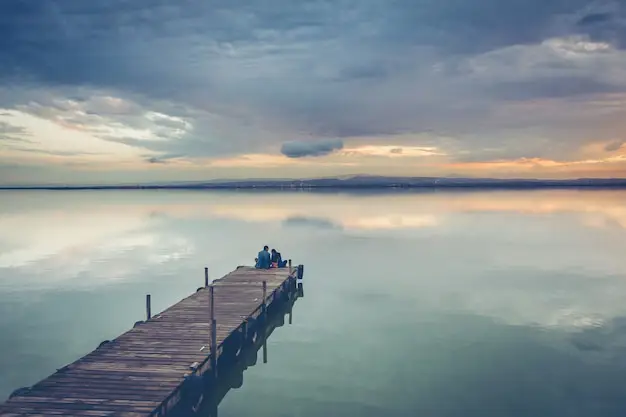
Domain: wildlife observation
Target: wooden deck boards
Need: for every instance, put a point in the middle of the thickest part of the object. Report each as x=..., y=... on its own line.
x=141, y=370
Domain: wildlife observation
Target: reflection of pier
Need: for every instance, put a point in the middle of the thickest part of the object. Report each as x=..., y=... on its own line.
x=232, y=375
x=186, y=357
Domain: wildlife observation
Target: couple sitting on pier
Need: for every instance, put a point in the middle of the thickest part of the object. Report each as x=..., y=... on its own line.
x=267, y=261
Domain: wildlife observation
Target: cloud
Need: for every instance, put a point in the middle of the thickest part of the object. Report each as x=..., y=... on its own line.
x=392, y=151
x=594, y=18
x=300, y=149
x=221, y=80
x=33, y=138
x=155, y=160
x=108, y=117
x=10, y=133
x=614, y=146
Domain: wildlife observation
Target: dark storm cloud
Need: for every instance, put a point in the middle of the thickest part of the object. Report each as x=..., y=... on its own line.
x=607, y=23
x=595, y=18
x=140, y=44
x=301, y=149
x=249, y=75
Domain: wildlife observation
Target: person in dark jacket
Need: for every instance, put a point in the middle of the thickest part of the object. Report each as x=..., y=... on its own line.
x=264, y=259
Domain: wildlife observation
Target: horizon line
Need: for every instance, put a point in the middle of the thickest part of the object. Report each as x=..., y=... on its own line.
x=354, y=181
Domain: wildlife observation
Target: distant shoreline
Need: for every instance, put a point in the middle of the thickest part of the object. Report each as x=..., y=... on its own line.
x=351, y=184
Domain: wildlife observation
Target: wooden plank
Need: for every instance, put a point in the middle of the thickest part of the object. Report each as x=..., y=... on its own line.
x=143, y=369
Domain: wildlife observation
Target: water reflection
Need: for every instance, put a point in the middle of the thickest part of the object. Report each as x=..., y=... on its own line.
x=536, y=239
x=314, y=222
x=510, y=299
x=71, y=218
x=54, y=230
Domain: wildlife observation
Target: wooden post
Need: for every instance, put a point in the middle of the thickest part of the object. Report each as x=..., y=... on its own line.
x=264, y=298
x=264, y=323
x=244, y=332
x=213, y=333
x=212, y=297
x=206, y=277
x=148, y=307
x=290, y=270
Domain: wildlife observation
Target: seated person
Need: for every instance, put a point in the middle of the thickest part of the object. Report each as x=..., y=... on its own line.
x=278, y=259
x=263, y=260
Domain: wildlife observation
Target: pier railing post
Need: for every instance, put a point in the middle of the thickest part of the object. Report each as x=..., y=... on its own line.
x=264, y=298
x=290, y=270
x=264, y=323
x=213, y=333
x=206, y=277
x=148, y=307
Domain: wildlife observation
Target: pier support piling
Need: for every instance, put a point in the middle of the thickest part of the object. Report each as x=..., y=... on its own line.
x=148, y=307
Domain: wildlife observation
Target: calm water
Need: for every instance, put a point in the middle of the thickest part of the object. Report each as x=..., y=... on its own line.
x=431, y=304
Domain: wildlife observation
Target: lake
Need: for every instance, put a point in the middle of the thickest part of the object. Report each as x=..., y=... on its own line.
x=468, y=304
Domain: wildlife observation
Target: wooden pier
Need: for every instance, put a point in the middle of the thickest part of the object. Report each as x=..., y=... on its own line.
x=167, y=363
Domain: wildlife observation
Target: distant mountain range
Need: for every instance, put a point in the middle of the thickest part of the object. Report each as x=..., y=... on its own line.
x=363, y=182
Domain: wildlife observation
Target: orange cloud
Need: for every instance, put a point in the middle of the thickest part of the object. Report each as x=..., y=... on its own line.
x=252, y=160
x=391, y=151
x=272, y=161
x=614, y=165
x=61, y=143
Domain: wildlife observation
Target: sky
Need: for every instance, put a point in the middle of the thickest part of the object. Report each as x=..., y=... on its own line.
x=116, y=91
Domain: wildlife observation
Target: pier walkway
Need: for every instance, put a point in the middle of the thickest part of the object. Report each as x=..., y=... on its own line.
x=164, y=364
